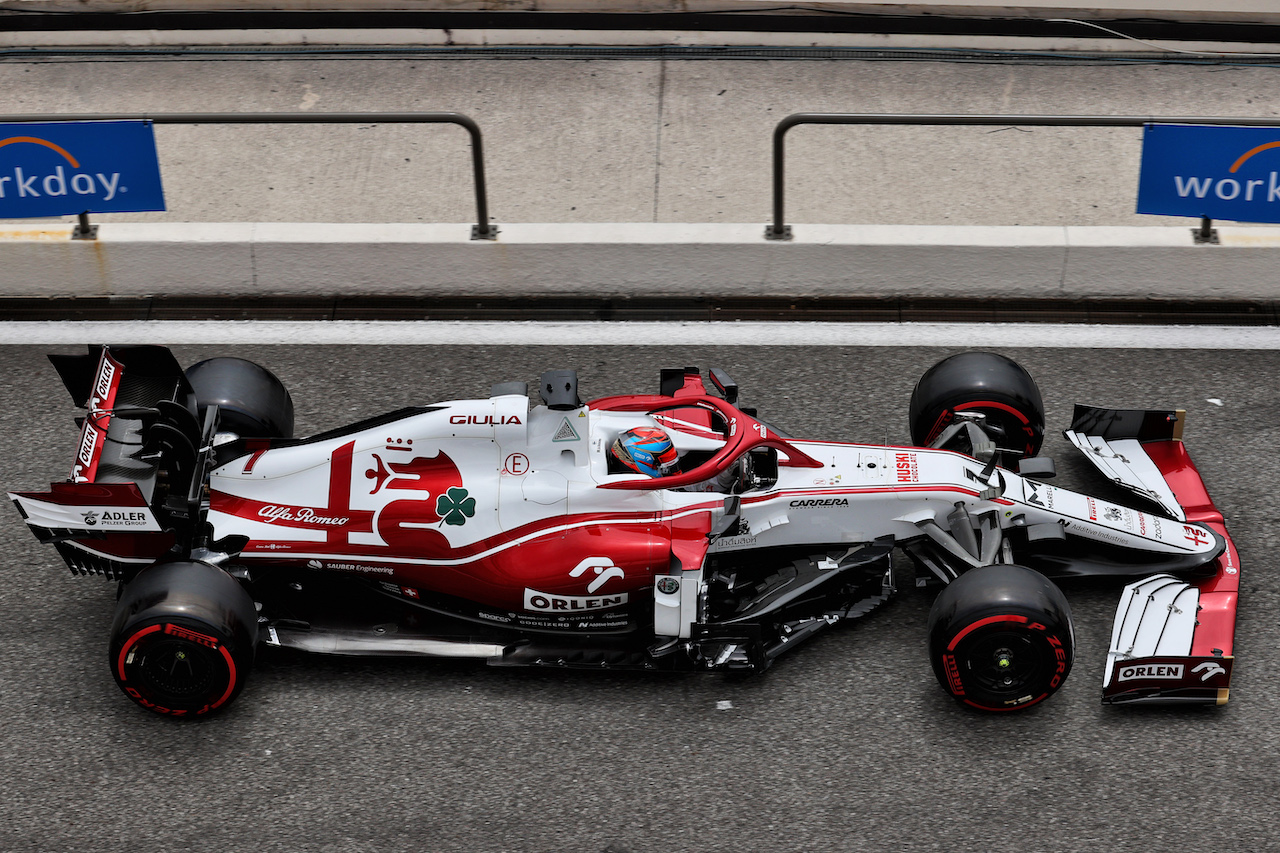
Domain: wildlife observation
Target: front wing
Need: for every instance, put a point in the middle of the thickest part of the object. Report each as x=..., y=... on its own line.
x=1172, y=641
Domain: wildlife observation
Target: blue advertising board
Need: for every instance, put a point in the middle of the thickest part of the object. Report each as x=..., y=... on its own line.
x=1222, y=172
x=60, y=168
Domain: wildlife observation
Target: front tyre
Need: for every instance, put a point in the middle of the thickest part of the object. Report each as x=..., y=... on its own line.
x=986, y=382
x=183, y=639
x=1000, y=638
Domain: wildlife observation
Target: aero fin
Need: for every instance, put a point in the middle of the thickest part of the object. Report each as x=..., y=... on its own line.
x=1151, y=657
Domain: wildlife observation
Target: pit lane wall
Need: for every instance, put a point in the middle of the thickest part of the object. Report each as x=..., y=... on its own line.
x=637, y=259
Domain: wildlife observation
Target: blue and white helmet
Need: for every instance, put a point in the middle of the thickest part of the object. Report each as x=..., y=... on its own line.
x=647, y=450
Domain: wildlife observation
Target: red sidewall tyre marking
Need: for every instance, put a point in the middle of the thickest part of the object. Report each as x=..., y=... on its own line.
x=949, y=414
x=945, y=417
x=151, y=629
x=990, y=620
x=124, y=652
x=231, y=681
x=952, y=671
x=992, y=404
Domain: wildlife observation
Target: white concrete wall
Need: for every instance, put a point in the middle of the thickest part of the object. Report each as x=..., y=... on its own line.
x=638, y=258
x=584, y=143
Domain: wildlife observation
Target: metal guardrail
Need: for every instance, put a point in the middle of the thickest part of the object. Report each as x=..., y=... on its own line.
x=780, y=231
x=482, y=230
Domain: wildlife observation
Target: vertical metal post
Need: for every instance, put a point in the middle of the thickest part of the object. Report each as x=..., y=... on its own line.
x=84, y=230
x=483, y=229
x=779, y=231
x=1206, y=234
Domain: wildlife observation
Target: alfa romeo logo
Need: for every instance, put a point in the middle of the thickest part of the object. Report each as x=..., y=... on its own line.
x=455, y=507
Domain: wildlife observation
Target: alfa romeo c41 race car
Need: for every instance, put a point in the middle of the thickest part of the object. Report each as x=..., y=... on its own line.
x=503, y=529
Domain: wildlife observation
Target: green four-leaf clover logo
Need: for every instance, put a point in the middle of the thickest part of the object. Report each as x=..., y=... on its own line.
x=455, y=507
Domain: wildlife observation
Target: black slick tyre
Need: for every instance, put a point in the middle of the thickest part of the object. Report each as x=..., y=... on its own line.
x=183, y=639
x=985, y=382
x=1000, y=638
x=253, y=401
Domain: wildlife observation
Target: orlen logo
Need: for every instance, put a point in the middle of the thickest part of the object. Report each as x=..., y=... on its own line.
x=103, y=388
x=547, y=602
x=1209, y=669
x=604, y=570
x=1159, y=672
x=88, y=444
x=59, y=182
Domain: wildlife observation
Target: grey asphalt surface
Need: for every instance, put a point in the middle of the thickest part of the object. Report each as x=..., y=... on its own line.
x=642, y=140
x=847, y=745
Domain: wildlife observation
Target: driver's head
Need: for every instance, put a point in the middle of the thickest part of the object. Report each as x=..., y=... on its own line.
x=646, y=450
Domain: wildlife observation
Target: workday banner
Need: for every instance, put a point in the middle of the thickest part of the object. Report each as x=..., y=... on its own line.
x=59, y=168
x=1215, y=171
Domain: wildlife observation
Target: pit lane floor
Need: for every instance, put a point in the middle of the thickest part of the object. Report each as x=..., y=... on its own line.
x=848, y=744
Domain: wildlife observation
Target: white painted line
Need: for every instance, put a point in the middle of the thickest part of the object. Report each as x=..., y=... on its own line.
x=432, y=333
x=649, y=233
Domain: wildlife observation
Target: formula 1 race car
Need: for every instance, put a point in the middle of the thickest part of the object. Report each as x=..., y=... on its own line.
x=504, y=529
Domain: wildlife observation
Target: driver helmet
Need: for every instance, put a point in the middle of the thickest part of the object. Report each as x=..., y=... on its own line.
x=647, y=450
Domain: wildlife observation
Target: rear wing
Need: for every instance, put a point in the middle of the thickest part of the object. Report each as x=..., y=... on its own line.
x=1172, y=640
x=130, y=490
x=125, y=390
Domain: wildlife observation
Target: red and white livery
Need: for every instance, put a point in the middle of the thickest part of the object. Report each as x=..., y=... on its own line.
x=501, y=529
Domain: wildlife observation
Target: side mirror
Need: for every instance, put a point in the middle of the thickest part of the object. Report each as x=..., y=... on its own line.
x=724, y=385
x=1038, y=467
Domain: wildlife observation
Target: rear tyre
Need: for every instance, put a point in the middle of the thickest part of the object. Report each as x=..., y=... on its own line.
x=253, y=402
x=183, y=639
x=1000, y=638
x=985, y=382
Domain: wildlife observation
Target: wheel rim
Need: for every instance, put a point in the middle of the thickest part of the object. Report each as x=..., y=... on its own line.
x=174, y=670
x=179, y=669
x=1004, y=663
